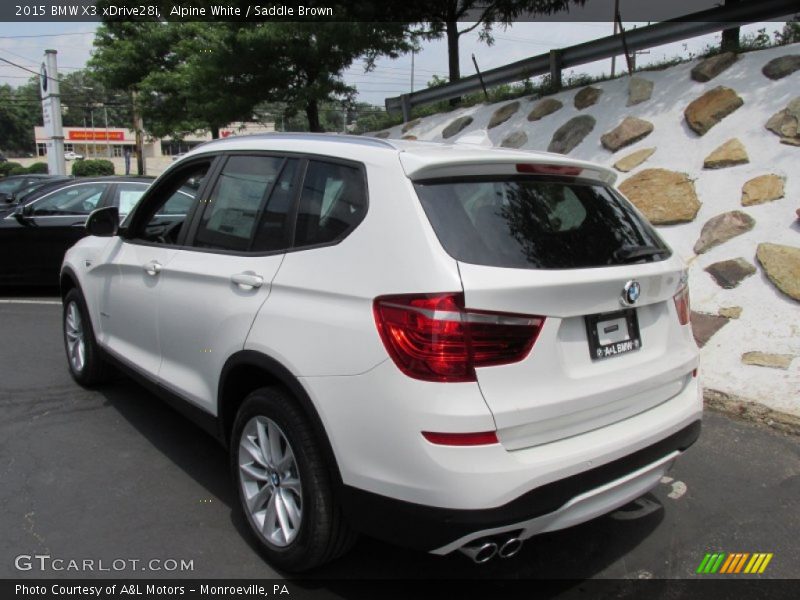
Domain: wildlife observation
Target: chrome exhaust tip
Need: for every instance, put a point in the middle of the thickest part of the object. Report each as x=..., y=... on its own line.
x=480, y=553
x=511, y=548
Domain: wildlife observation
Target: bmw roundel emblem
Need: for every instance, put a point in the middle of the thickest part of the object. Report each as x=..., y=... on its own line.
x=631, y=293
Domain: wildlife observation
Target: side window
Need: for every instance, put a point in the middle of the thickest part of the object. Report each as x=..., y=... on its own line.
x=73, y=200
x=273, y=232
x=128, y=195
x=232, y=211
x=333, y=202
x=166, y=209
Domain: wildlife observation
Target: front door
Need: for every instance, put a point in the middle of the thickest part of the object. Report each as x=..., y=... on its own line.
x=133, y=271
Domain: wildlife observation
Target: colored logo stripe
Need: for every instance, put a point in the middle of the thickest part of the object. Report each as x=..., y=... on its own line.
x=724, y=563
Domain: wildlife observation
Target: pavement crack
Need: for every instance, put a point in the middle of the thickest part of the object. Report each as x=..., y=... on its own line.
x=31, y=529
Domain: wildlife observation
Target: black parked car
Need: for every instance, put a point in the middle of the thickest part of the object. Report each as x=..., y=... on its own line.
x=15, y=187
x=35, y=235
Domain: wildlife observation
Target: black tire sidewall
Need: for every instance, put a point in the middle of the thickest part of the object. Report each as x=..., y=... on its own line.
x=304, y=551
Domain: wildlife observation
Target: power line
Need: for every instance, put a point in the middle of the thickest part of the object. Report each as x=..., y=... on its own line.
x=27, y=69
x=44, y=35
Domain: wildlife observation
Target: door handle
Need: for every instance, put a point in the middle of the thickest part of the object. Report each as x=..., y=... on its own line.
x=247, y=281
x=153, y=268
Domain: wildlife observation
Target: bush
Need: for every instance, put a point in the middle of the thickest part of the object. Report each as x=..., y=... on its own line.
x=18, y=170
x=92, y=168
x=7, y=167
x=38, y=168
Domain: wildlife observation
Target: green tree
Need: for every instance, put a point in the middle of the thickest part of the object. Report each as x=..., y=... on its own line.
x=205, y=75
x=20, y=112
x=303, y=62
x=444, y=16
x=179, y=71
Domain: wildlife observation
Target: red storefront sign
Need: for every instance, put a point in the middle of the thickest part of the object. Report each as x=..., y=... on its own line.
x=99, y=136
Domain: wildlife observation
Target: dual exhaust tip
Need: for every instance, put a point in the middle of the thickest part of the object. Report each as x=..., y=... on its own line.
x=485, y=550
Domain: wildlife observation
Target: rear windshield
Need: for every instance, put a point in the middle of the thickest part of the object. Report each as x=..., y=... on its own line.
x=537, y=223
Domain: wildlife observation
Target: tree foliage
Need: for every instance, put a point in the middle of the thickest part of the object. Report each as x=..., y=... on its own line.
x=199, y=75
x=444, y=16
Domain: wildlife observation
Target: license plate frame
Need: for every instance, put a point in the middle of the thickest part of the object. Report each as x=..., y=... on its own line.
x=617, y=342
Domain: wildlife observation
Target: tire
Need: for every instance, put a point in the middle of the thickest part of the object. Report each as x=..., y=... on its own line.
x=84, y=358
x=294, y=515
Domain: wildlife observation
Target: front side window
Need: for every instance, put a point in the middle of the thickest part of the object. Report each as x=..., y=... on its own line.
x=535, y=223
x=333, y=202
x=165, y=212
x=72, y=200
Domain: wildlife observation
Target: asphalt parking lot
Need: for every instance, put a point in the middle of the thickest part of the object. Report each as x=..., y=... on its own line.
x=116, y=474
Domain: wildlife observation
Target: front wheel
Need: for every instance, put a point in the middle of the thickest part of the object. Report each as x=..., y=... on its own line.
x=86, y=364
x=283, y=483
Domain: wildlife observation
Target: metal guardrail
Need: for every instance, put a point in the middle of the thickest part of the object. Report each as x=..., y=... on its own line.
x=695, y=24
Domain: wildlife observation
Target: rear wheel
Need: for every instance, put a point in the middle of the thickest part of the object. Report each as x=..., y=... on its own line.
x=283, y=484
x=86, y=364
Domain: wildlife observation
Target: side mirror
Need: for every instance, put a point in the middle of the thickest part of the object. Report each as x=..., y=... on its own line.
x=22, y=213
x=103, y=222
x=7, y=197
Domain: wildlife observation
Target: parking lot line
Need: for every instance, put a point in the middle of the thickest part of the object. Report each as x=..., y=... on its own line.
x=14, y=301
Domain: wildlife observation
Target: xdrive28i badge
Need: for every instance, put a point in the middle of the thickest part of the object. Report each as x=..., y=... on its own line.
x=630, y=293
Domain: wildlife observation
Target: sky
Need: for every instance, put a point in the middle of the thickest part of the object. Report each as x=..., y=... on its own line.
x=25, y=43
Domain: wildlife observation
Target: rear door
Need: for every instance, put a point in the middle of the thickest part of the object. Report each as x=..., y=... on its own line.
x=574, y=252
x=213, y=289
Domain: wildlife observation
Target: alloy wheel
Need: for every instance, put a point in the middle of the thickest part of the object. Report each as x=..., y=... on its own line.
x=76, y=344
x=270, y=481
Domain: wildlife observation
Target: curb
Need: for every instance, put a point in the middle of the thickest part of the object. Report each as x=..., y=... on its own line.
x=751, y=411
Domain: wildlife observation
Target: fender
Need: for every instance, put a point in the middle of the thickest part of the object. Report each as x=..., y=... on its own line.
x=285, y=378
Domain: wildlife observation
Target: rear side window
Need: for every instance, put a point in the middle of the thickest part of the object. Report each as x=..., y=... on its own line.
x=537, y=223
x=230, y=217
x=332, y=203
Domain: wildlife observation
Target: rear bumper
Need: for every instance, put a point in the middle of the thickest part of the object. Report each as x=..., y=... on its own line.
x=553, y=506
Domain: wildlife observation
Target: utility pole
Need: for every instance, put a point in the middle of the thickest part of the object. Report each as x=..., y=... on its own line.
x=94, y=137
x=412, y=70
x=480, y=77
x=616, y=30
x=108, y=141
x=137, y=128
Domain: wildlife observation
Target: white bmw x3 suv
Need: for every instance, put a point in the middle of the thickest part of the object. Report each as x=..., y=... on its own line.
x=448, y=347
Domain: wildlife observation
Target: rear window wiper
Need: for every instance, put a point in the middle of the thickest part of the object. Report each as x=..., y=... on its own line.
x=627, y=253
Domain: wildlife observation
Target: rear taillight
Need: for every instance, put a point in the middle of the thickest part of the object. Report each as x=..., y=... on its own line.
x=682, y=304
x=434, y=338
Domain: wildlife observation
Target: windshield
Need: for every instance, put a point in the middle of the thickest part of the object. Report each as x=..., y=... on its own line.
x=537, y=223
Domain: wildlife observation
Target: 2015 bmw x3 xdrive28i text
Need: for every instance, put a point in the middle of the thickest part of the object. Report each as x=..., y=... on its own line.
x=443, y=346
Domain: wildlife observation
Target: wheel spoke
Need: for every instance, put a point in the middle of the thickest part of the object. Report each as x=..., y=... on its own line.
x=283, y=518
x=286, y=462
x=256, y=472
x=292, y=510
x=270, y=519
x=292, y=484
x=256, y=501
x=263, y=442
x=253, y=451
x=274, y=443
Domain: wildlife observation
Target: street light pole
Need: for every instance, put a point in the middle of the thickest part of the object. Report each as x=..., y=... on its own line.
x=108, y=141
x=94, y=139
